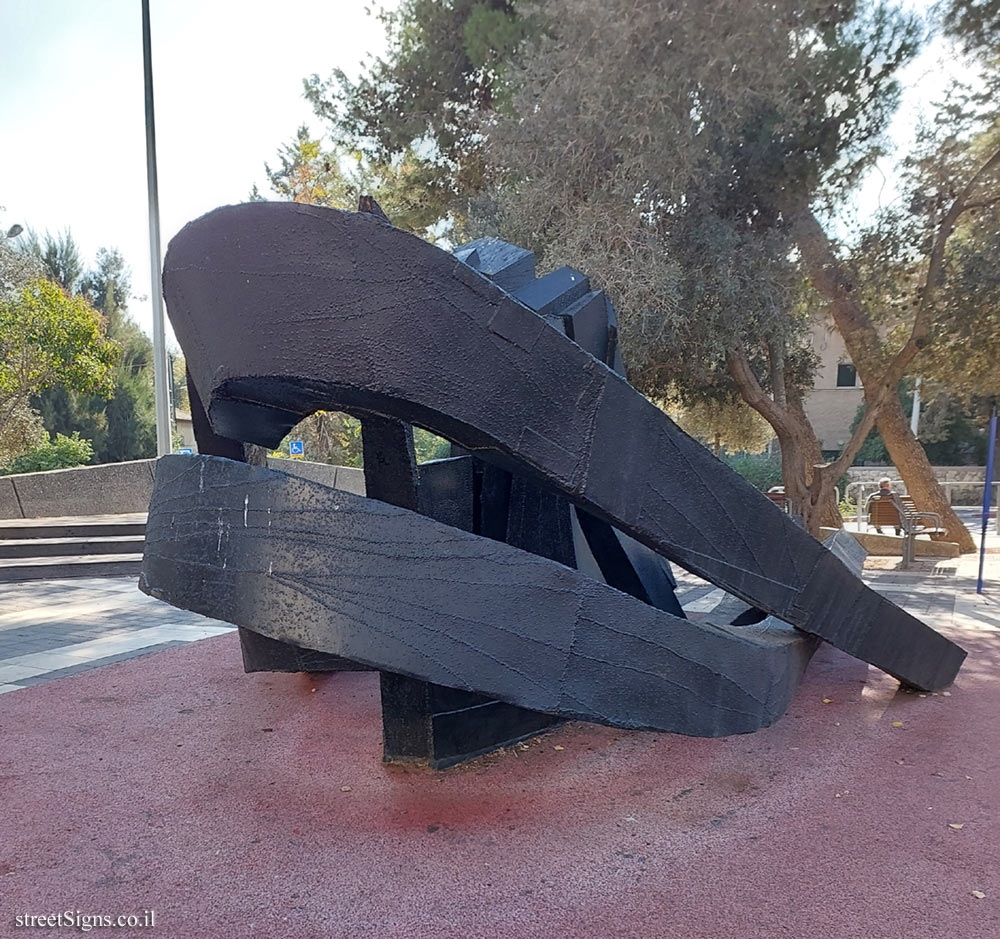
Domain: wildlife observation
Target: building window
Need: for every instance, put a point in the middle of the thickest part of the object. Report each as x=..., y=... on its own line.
x=847, y=376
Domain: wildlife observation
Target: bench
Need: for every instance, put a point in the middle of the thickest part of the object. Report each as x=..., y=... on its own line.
x=900, y=513
x=777, y=495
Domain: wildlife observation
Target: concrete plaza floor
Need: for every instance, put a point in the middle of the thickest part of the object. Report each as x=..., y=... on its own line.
x=256, y=805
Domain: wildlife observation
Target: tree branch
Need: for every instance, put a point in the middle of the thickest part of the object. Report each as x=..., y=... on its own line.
x=776, y=359
x=839, y=466
x=752, y=392
x=944, y=232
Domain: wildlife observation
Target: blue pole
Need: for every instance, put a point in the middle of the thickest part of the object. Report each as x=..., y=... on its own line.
x=991, y=452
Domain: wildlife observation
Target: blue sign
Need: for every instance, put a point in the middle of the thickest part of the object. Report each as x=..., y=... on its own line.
x=187, y=451
x=296, y=448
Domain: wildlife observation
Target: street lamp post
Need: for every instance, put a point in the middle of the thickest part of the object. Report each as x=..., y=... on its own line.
x=164, y=442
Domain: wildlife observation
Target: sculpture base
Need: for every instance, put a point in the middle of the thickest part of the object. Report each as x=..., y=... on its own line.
x=427, y=723
x=264, y=654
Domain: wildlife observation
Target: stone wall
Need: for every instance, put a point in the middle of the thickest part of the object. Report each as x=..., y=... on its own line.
x=106, y=489
x=115, y=488
x=943, y=473
x=960, y=495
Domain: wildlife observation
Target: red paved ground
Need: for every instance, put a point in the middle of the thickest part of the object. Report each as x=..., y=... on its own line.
x=175, y=782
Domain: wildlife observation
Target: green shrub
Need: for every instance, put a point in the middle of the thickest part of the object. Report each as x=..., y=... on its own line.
x=60, y=453
x=428, y=446
x=761, y=470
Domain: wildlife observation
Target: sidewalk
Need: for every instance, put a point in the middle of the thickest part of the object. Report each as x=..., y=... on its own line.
x=256, y=805
x=52, y=629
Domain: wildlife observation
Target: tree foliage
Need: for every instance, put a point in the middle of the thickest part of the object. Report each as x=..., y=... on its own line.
x=662, y=169
x=334, y=437
x=48, y=337
x=974, y=23
x=723, y=424
x=683, y=154
x=21, y=432
x=428, y=103
x=58, y=255
x=312, y=173
x=61, y=453
x=122, y=427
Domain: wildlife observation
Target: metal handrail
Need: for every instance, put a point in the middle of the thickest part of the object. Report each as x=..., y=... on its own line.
x=947, y=486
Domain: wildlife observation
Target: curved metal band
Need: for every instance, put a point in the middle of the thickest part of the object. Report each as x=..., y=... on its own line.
x=324, y=569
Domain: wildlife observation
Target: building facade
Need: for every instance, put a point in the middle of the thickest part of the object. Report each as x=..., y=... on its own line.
x=836, y=394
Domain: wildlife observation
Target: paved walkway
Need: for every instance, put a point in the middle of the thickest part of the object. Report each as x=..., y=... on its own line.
x=51, y=629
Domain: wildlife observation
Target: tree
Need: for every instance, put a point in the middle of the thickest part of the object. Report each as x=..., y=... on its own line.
x=675, y=151
x=59, y=256
x=922, y=281
x=122, y=427
x=17, y=268
x=23, y=431
x=722, y=423
x=950, y=429
x=309, y=174
x=130, y=413
x=656, y=167
x=427, y=105
x=313, y=174
x=48, y=337
x=974, y=23
x=328, y=437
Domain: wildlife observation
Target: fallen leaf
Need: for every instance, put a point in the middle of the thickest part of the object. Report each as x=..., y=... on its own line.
x=897, y=723
x=837, y=795
x=946, y=694
x=979, y=895
x=345, y=788
x=557, y=747
x=828, y=700
x=958, y=826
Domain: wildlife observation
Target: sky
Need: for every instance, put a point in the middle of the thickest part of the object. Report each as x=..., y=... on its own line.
x=227, y=77
x=228, y=84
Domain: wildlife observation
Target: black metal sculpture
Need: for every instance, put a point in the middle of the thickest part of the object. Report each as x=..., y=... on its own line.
x=285, y=309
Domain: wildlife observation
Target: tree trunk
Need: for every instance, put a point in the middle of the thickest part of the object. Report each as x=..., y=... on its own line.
x=821, y=507
x=823, y=504
x=864, y=344
x=808, y=488
x=911, y=461
x=800, y=449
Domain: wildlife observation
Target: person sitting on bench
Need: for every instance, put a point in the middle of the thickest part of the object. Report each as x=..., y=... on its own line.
x=886, y=491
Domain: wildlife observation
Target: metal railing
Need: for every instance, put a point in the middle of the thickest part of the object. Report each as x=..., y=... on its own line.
x=862, y=498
